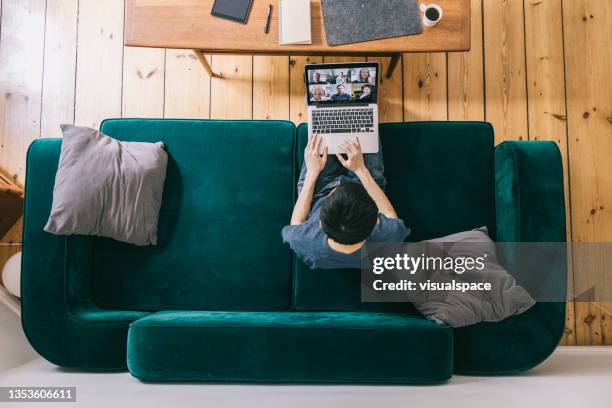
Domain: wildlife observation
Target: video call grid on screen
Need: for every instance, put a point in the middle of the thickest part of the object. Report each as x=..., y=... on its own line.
x=341, y=83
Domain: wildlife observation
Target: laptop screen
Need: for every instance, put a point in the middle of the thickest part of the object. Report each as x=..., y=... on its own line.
x=330, y=84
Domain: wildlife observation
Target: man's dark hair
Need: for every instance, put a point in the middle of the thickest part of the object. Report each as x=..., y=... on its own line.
x=349, y=214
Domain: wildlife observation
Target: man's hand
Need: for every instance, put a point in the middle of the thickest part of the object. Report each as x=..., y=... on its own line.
x=354, y=161
x=315, y=162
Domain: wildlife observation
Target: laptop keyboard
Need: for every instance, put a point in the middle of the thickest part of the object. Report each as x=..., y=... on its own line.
x=343, y=120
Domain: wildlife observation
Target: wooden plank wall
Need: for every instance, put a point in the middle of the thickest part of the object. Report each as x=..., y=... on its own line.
x=537, y=70
x=587, y=39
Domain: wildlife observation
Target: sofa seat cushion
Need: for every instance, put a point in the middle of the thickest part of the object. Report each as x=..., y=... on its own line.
x=275, y=347
x=228, y=192
x=440, y=179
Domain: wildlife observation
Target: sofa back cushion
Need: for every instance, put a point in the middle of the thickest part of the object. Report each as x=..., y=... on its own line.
x=228, y=192
x=440, y=178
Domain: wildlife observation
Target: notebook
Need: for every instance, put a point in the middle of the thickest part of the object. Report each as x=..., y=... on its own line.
x=351, y=21
x=294, y=22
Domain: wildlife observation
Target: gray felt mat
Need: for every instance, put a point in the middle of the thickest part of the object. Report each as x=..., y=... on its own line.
x=351, y=21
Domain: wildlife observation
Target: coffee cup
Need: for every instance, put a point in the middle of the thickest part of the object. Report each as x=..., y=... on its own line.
x=432, y=14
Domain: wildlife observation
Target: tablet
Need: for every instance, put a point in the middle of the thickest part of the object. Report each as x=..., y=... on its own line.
x=235, y=10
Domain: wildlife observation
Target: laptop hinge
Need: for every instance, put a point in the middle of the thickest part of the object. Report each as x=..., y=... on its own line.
x=342, y=105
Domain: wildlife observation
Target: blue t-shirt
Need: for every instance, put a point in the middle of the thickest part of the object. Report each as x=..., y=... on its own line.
x=309, y=241
x=342, y=98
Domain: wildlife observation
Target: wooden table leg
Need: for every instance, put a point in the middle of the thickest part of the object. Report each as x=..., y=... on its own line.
x=205, y=63
x=392, y=64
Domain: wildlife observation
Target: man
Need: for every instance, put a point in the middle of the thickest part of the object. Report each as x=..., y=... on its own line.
x=341, y=205
x=340, y=79
x=318, y=94
x=366, y=95
x=316, y=79
x=340, y=96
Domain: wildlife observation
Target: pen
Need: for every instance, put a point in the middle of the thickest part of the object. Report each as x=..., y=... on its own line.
x=268, y=19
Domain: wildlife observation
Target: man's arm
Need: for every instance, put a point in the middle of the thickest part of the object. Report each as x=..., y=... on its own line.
x=302, y=205
x=380, y=198
x=314, y=164
x=355, y=163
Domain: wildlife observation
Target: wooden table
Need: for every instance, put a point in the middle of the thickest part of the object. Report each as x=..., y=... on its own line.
x=189, y=24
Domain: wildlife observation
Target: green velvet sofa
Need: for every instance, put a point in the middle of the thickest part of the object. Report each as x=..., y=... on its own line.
x=221, y=298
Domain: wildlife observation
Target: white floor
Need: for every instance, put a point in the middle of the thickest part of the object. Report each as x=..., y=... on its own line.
x=14, y=348
x=577, y=377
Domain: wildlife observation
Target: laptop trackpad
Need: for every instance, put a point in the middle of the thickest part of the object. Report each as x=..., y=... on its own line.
x=369, y=142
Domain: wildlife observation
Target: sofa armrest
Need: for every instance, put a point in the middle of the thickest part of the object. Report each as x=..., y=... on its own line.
x=529, y=198
x=58, y=317
x=529, y=208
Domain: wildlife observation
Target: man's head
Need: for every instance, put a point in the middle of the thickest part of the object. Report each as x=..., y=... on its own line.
x=318, y=93
x=367, y=90
x=340, y=89
x=317, y=76
x=348, y=214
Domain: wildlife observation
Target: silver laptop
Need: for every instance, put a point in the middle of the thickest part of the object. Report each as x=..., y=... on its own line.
x=342, y=103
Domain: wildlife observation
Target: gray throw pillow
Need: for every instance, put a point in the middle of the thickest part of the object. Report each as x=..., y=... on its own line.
x=457, y=308
x=107, y=188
